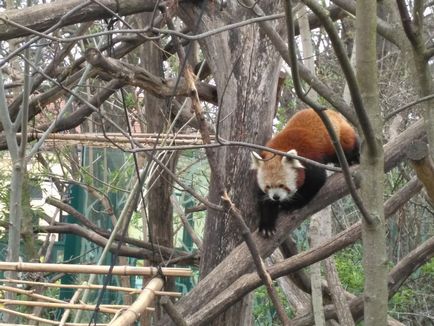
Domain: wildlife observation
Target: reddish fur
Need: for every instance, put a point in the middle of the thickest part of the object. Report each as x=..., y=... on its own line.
x=300, y=178
x=306, y=133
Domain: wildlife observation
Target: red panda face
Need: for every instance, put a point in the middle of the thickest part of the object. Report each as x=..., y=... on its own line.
x=279, y=176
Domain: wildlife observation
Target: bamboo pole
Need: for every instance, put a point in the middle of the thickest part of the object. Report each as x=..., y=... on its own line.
x=66, y=313
x=93, y=269
x=109, y=309
x=107, y=140
x=91, y=287
x=131, y=202
x=139, y=306
x=78, y=306
x=29, y=293
x=42, y=320
x=119, y=138
x=136, y=135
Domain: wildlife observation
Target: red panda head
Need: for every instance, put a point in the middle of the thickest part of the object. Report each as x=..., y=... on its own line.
x=279, y=177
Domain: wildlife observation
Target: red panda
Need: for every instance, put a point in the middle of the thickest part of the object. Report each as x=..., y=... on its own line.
x=286, y=184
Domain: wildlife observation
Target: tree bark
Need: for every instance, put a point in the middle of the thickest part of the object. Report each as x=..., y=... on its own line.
x=372, y=170
x=245, y=67
x=317, y=236
x=156, y=115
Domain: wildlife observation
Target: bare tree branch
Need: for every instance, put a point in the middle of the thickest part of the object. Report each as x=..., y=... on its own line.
x=383, y=27
x=407, y=23
x=319, y=109
x=43, y=16
x=348, y=71
x=168, y=258
x=137, y=76
x=305, y=74
x=260, y=266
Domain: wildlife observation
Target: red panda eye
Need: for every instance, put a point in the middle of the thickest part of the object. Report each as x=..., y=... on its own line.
x=267, y=187
x=281, y=186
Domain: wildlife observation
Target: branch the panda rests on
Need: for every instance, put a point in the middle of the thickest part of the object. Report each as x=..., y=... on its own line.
x=285, y=184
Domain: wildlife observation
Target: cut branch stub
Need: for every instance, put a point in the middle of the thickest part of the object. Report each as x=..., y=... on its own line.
x=418, y=154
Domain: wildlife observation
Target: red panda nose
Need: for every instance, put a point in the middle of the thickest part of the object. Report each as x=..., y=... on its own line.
x=276, y=197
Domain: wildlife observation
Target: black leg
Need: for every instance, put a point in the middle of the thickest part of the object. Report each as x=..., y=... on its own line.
x=269, y=211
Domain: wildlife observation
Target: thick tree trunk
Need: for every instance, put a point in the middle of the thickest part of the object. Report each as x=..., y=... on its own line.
x=372, y=170
x=156, y=118
x=156, y=115
x=245, y=67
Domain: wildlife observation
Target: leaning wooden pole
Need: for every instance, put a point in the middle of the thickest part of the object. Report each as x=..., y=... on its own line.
x=139, y=306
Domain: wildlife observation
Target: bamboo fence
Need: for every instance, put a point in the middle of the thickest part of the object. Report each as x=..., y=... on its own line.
x=123, y=314
x=88, y=286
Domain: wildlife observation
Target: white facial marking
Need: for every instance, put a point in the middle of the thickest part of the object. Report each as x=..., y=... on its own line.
x=278, y=194
x=275, y=178
x=257, y=161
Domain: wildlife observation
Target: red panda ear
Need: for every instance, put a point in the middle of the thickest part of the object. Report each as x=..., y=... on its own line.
x=292, y=161
x=257, y=161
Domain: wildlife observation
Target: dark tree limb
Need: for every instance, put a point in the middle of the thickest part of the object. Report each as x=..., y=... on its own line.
x=407, y=23
x=92, y=228
x=348, y=71
x=127, y=251
x=43, y=16
x=139, y=77
x=169, y=307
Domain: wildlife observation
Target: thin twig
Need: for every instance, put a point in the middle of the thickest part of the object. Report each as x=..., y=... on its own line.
x=36, y=38
x=186, y=223
x=348, y=71
x=321, y=112
x=260, y=267
x=407, y=106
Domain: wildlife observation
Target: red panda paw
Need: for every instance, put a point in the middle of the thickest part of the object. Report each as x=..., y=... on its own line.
x=267, y=232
